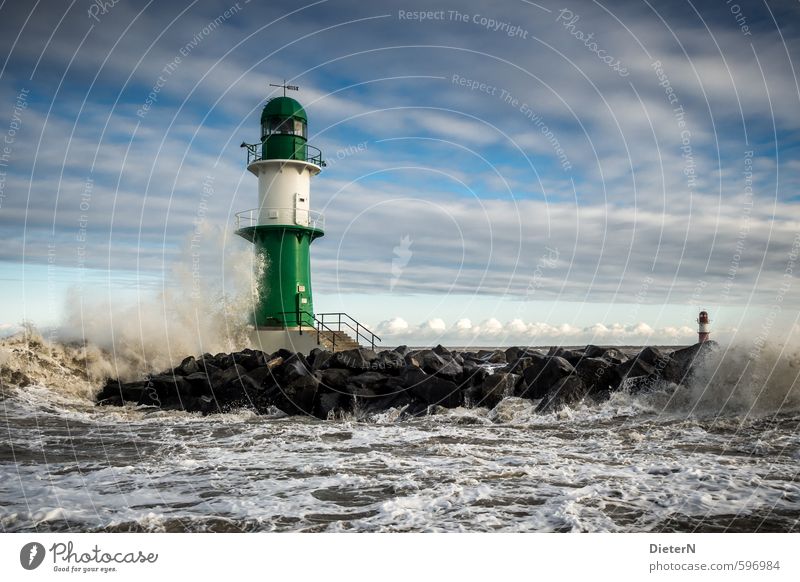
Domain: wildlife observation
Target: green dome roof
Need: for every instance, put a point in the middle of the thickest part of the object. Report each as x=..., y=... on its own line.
x=283, y=107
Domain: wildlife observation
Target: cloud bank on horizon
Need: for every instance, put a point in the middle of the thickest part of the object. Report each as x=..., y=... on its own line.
x=522, y=154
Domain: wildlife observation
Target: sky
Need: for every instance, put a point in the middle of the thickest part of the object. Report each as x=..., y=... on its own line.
x=518, y=172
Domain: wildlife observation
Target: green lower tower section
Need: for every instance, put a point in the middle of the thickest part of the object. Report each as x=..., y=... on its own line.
x=284, y=294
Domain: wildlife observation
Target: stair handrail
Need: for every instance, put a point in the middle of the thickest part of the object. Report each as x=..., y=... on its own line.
x=319, y=324
x=367, y=334
x=315, y=323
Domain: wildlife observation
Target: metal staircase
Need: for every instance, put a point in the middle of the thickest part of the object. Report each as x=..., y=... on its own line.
x=337, y=341
x=337, y=332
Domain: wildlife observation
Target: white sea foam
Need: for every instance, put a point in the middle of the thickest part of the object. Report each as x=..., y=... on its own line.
x=636, y=462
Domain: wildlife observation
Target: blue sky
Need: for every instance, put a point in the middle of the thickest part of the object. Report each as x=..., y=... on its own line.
x=510, y=173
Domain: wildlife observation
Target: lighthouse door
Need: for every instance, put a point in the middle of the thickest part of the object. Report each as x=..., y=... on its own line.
x=301, y=206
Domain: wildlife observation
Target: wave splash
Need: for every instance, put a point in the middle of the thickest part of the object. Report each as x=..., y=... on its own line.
x=731, y=381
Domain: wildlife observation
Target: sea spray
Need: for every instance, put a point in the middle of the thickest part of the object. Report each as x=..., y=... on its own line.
x=731, y=382
x=203, y=306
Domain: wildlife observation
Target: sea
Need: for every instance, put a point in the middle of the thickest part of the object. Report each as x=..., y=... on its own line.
x=720, y=455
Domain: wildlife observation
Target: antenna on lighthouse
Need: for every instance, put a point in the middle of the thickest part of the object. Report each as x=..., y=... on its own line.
x=285, y=87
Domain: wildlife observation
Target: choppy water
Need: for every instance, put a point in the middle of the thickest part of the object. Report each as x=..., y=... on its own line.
x=657, y=462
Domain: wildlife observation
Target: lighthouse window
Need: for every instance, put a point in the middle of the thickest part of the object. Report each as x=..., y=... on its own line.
x=278, y=125
x=290, y=126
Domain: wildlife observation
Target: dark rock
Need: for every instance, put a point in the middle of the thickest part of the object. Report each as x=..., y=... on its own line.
x=390, y=362
x=199, y=384
x=683, y=361
x=282, y=353
x=366, y=384
x=568, y=391
x=355, y=359
x=335, y=378
x=258, y=379
x=492, y=356
x=493, y=389
x=252, y=359
x=116, y=393
x=598, y=375
x=592, y=351
x=402, y=350
x=412, y=359
x=436, y=364
x=441, y=350
x=615, y=356
x=299, y=396
x=572, y=356
x=225, y=375
x=512, y=354
x=187, y=366
x=636, y=368
x=431, y=389
x=329, y=403
x=652, y=356
x=397, y=400
x=519, y=365
x=473, y=374
x=207, y=367
x=542, y=376
x=174, y=392
x=319, y=358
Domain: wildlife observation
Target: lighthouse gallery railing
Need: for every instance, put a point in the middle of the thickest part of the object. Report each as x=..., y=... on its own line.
x=298, y=216
x=304, y=152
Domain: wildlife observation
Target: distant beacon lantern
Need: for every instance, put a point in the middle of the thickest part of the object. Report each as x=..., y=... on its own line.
x=702, y=327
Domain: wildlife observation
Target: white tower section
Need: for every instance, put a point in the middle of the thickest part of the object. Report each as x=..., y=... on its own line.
x=284, y=191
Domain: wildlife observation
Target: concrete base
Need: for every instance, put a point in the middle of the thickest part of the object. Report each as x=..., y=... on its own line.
x=270, y=340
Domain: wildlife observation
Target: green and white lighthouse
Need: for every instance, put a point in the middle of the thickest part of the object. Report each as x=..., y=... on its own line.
x=282, y=229
x=283, y=226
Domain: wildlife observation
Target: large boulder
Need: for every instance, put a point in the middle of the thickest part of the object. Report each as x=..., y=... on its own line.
x=598, y=375
x=519, y=365
x=472, y=374
x=355, y=359
x=493, y=389
x=612, y=355
x=389, y=362
x=542, y=376
x=224, y=375
x=441, y=350
x=443, y=365
x=645, y=370
x=572, y=356
x=187, y=366
x=402, y=350
x=683, y=361
x=299, y=396
x=116, y=393
x=335, y=379
x=492, y=356
x=319, y=359
x=569, y=390
x=367, y=384
x=431, y=389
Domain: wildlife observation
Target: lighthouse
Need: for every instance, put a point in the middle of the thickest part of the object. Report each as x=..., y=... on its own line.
x=282, y=229
x=283, y=226
x=702, y=327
